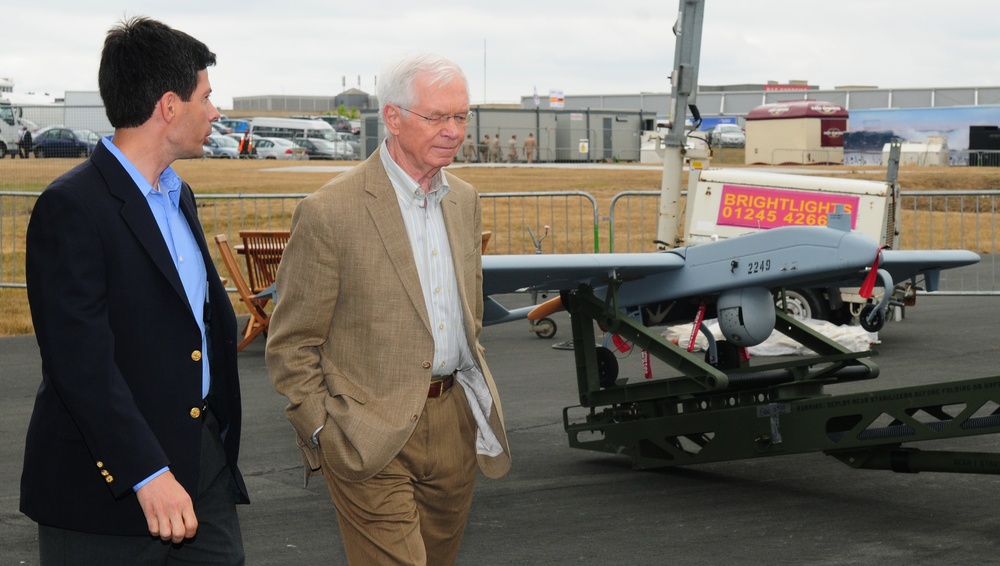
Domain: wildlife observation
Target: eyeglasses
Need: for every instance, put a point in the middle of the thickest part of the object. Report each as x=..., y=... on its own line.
x=440, y=121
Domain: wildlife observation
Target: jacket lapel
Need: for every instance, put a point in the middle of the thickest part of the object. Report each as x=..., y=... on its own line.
x=383, y=207
x=136, y=214
x=454, y=224
x=452, y=219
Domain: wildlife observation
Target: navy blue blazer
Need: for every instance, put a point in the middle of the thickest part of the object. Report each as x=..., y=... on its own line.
x=121, y=354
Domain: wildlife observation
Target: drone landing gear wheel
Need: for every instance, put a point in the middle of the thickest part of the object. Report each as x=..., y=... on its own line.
x=544, y=328
x=876, y=323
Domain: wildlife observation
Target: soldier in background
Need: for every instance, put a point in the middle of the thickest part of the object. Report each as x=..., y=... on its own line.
x=495, y=149
x=529, y=148
x=484, y=149
x=468, y=149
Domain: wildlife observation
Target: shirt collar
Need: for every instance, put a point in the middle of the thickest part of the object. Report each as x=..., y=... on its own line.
x=170, y=182
x=407, y=188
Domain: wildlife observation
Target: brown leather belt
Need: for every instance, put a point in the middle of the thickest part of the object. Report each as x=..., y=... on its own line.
x=439, y=386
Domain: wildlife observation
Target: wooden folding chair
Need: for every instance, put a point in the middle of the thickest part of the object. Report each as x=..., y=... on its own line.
x=259, y=319
x=263, y=249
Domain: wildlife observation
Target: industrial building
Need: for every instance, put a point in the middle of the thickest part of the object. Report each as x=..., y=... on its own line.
x=609, y=127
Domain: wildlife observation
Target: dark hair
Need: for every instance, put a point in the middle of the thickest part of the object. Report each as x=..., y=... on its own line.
x=142, y=60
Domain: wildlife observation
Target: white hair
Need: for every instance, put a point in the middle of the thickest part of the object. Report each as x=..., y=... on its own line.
x=399, y=76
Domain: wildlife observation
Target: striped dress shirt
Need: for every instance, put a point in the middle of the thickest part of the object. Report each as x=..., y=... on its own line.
x=425, y=227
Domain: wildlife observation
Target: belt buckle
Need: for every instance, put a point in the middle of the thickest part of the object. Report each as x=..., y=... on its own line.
x=439, y=386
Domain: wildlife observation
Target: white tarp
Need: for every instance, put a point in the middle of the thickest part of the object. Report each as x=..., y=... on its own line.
x=853, y=338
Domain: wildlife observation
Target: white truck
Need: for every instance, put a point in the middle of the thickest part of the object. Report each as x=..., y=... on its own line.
x=723, y=203
x=9, y=125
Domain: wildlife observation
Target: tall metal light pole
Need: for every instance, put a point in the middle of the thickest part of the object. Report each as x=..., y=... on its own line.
x=684, y=88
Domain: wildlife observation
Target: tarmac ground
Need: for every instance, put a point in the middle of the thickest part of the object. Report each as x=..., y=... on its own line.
x=559, y=505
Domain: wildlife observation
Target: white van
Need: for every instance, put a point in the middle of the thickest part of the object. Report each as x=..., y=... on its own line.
x=291, y=128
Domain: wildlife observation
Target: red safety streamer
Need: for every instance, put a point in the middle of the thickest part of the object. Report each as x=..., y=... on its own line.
x=620, y=344
x=697, y=324
x=869, y=284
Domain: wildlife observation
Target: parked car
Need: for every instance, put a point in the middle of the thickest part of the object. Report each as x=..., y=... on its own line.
x=221, y=146
x=352, y=141
x=221, y=128
x=278, y=148
x=319, y=148
x=58, y=141
x=339, y=123
x=235, y=126
x=727, y=135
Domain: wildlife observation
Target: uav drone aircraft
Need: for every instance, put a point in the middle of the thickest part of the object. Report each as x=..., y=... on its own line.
x=722, y=406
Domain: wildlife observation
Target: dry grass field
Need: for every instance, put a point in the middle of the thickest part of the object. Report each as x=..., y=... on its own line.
x=505, y=219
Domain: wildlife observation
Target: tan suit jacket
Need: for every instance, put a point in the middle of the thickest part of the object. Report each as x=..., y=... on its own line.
x=350, y=343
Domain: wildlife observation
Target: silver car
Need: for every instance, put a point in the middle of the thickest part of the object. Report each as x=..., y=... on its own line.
x=319, y=148
x=352, y=141
x=221, y=146
x=727, y=135
x=278, y=148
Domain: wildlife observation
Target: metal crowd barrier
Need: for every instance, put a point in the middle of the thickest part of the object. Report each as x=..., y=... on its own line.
x=570, y=222
x=15, y=209
x=521, y=223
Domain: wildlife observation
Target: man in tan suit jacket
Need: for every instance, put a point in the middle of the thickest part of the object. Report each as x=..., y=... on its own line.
x=375, y=338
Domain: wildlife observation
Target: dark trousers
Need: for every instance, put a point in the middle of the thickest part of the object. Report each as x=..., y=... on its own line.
x=218, y=541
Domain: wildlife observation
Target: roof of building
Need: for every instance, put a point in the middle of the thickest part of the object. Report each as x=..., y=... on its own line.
x=797, y=109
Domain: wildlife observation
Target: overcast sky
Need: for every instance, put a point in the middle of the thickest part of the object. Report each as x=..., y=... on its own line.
x=509, y=48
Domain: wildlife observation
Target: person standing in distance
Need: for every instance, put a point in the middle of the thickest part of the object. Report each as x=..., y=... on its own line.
x=484, y=149
x=24, y=143
x=131, y=451
x=375, y=341
x=529, y=148
x=495, y=155
x=468, y=149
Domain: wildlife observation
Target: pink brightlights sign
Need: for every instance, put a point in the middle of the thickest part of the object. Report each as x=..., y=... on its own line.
x=756, y=207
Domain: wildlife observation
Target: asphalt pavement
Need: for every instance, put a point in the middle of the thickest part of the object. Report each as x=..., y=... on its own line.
x=560, y=505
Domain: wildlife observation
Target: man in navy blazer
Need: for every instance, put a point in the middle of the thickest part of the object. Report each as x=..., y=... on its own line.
x=131, y=452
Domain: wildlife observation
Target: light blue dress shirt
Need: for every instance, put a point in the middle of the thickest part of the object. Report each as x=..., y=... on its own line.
x=164, y=203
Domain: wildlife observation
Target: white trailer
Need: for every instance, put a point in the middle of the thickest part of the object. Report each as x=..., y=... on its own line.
x=724, y=203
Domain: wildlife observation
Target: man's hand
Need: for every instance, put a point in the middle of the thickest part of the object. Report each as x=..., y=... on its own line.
x=168, y=509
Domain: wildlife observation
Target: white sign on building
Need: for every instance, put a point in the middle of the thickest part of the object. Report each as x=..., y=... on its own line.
x=556, y=99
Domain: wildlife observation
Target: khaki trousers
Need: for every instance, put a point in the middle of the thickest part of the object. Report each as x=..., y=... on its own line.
x=414, y=511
